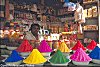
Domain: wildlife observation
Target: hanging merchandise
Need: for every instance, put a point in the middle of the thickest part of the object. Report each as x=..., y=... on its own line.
x=94, y=11
x=34, y=8
x=11, y=6
x=10, y=17
x=62, y=0
x=2, y=2
x=71, y=6
x=85, y=12
x=79, y=16
x=79, y=28
x=66, y=28
x=66, y=1
x=66, y=4
x=1, y=13
x=90, y=12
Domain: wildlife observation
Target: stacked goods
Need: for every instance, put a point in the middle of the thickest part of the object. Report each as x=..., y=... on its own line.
x=1, y=58
x=12, y=45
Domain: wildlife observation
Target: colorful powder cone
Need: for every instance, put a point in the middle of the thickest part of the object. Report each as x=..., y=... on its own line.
x=63, y=47
x=78, y=45
x=91, y=45
x=35, y=58
x=80, y=57
x=44, y=47
x=25, y=47
x=95, y=55
x=14, y=57
x=59, y=58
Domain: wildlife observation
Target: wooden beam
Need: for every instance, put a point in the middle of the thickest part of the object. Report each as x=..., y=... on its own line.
x=7, y=9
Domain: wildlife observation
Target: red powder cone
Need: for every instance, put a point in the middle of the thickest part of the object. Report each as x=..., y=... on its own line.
x=91, y=45
x=78, y=45
x=25, y=47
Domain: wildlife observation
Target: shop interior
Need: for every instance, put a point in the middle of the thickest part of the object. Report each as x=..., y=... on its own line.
x=69, y=33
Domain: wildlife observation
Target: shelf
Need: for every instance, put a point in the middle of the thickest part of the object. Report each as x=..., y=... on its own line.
x=26, y=11
x=90, y=30
x=48, y=14
x=92, y=17
x=2, y=8
x=66, y=14
x=88, y=3
x=2, y=18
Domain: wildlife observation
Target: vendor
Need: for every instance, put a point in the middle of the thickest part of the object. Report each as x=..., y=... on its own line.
x=32, y=34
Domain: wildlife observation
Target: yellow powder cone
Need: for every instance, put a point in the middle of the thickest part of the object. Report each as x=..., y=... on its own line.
x=63, y=47
x=35, y=58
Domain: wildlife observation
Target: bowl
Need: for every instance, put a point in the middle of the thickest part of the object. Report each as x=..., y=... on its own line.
x=89, y=50
x=29, y=65
x=47, y=54
x=34, y=64
x=96, y=61
x=2, y=46
x=2, y=59
x=14, y=63
x=66, y=54
x=47, y=57
x=80, y=63
x=11, y=48
x=64, y=64
x=4, y=55
x=39, y=64
x=24, y=54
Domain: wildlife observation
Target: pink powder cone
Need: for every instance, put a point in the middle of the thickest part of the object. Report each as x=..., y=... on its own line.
x=44, y=47
x=80, y=56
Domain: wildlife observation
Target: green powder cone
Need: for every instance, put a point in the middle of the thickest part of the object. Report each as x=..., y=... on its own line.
x=59, y=58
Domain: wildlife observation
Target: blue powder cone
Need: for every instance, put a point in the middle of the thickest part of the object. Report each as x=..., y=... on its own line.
x=95, y=54
x=14, y=57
